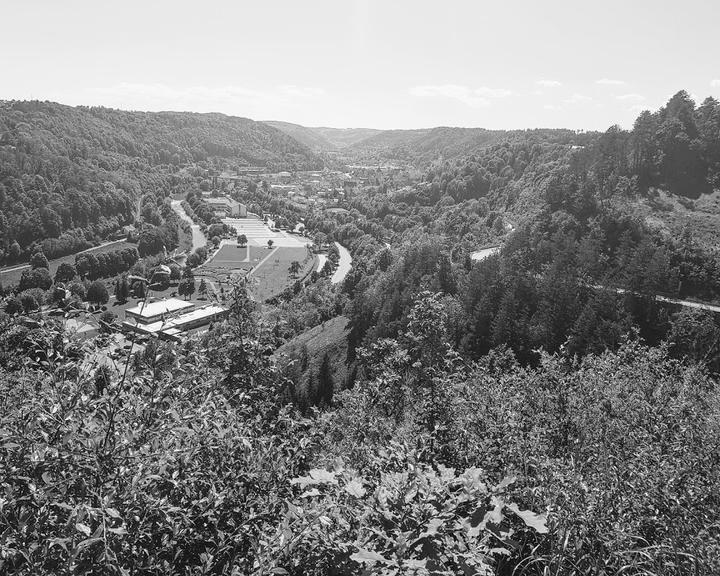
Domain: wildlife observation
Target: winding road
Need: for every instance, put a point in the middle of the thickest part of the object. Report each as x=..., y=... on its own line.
x=322, y=258
x=344, y=264
x=17, y=267
x=484, y=253
x=666, y=299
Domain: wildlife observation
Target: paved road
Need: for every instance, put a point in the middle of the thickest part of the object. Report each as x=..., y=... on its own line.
x=689, y=304
x=484, y=253
x=344, y=264
x=24, y=266
x=676, y=301
x=198, y=238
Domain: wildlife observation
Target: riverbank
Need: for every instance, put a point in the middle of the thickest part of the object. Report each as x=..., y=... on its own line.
x=198, y=238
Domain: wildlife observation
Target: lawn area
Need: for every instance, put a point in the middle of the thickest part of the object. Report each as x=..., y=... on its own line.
x=271, y=276
x=11, y=274
x=231, y=258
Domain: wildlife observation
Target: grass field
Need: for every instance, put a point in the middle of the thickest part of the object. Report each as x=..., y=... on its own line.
x=231, y=258
x=11, y=275
x=266, y=268
x=271, y=276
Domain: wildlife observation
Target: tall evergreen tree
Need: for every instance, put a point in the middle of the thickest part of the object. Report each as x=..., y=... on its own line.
x=326, y=385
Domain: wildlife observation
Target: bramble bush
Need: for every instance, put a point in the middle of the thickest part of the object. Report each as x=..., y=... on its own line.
x=194, y=463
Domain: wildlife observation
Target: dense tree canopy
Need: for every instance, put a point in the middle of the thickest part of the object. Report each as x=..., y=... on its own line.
x=72, y=176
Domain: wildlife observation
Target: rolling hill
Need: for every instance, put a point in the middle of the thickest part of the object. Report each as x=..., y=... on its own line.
x=421, y=147
x=78, y=172
x=344, y=137
x=310, y=137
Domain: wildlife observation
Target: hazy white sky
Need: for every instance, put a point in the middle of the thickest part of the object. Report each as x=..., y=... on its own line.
x=384, y=63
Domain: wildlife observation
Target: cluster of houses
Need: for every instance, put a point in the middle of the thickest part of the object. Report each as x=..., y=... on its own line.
x=305, y=189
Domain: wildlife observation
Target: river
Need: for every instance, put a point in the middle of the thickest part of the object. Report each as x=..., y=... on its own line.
x=198, y=238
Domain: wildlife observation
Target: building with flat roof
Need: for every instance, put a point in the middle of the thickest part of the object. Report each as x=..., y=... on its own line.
x=171, y=325
x=232, y=208
x=153, y=311
x=242, y=170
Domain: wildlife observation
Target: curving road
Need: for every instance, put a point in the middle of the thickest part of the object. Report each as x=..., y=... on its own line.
x=484, y=253
x=344, y=264
x=322, y=258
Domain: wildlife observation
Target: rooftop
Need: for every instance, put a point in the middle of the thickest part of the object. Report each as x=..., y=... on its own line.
x=222, y=200
x=176, y=324
x=164, y=306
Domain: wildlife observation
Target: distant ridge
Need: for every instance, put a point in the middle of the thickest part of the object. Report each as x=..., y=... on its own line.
x=414, y=146
x=323, y=139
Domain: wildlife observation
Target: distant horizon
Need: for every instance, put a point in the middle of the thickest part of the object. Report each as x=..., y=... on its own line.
x=407, y=64
x=325, y=126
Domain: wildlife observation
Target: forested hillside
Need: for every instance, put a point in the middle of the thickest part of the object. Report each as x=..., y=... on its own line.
x=677, y=148
x=76, y=174
x=420, y=147
x=310, y=137
x=578, y=269
x=342, y=137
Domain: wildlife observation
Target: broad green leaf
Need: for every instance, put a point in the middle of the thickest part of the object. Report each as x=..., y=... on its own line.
x=88, y=542
x=317, y=476
x=310, y=493
x=355, y=488
x=364, y=556
x=84, y=528
x=532, y=520
x=507, y=481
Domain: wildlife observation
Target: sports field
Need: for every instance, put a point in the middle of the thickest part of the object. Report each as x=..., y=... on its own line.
x=266, y=268
x=232, y=257
x=272, y=275
x=258, y=233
